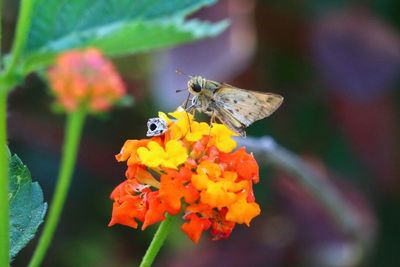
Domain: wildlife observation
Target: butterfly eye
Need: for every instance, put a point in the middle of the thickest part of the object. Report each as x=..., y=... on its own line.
x=196, y=87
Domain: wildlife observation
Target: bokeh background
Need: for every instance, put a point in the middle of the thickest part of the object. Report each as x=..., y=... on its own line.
x=337, y=63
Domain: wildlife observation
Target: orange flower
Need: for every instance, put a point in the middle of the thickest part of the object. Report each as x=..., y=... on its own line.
x=242, y=211
x=127, y=206
x=85, y=78
x=140, y=173
x=155, y=210
x=191, y=168
x=243, y=163
x=195, y=227
x=128, y=151
x=176, y=186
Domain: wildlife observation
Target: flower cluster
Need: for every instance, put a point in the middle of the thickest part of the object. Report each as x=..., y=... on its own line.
x=85, y=77
x=190, y=168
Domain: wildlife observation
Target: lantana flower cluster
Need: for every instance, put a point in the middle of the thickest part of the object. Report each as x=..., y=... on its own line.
x=192, y=170
x=85, y=78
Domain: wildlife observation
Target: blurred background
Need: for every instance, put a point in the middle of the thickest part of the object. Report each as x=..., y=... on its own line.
x=337, y=63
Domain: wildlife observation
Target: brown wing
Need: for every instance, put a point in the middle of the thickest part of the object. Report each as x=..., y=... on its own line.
x=246, y=106
x=230, y=121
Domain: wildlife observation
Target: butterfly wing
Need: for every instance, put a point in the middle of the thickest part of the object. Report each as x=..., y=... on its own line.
x=246, y=106
x=204, y=104
x=230, y=121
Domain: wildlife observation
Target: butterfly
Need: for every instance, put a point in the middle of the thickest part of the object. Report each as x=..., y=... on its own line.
x=234, y=107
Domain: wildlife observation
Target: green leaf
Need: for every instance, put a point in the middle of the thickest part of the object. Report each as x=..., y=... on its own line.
x=116, y=26
x=27, y=208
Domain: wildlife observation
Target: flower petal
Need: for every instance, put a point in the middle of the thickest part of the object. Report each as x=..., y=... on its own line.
x=195, y=227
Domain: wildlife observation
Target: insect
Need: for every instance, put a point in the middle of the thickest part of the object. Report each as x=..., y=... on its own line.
x=234, y=107
x=156, y=127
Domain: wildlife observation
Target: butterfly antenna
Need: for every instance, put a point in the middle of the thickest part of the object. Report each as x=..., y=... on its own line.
x=179, y=72
x=180, y=90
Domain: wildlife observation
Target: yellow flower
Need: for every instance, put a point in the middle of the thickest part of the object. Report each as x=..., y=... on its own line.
x=183, y=119
x=181, y=115
x=184, y=127
x=223, y=137
x=215, y=194
x=197, y=131
x=164, y=117
x=209, y=168
x=154, y=155
x=242, y=211
x=217, y=191
x=180, y=127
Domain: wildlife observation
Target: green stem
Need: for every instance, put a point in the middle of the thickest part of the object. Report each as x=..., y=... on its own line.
x=21, y=34
x=157, y=242
x=7, y=81
x=4, y=210
x=72, y=138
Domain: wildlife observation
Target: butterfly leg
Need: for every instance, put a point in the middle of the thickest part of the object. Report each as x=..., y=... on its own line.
x=190, y=110
x=185, y=107
x=212, y=120
x=193, y=105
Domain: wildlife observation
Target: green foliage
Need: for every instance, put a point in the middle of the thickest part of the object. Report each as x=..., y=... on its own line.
x=117, y=27
x=27, y=208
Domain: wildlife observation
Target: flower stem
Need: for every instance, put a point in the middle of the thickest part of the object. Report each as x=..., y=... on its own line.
x=4, y=204
x=157, y=242
x=72, y=138
x=21, y=34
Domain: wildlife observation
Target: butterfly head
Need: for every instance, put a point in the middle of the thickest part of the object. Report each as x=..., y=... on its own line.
x=196, y=84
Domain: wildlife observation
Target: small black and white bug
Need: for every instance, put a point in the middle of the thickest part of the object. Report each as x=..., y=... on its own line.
x=156, y=127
